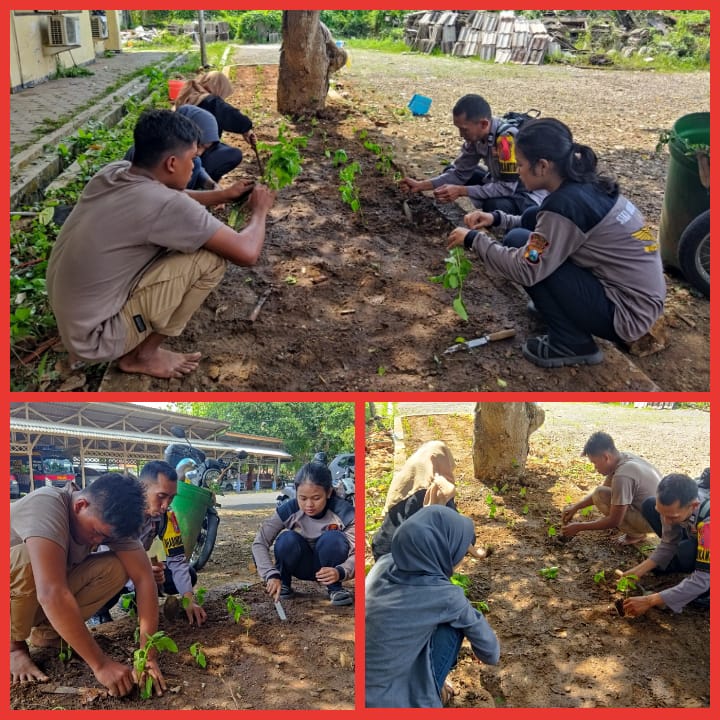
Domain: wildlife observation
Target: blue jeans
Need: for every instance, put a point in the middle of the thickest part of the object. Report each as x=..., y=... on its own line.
x=295, y=558
x=571, y=300
x=444, y=650
x=220, y=159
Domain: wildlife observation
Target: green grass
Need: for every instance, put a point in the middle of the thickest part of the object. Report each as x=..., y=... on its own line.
x=387, y=45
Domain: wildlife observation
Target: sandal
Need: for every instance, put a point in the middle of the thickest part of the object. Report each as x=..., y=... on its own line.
x=538, y=350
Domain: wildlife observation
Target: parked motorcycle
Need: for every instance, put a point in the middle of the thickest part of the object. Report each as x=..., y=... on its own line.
x=204, y=473
x=345, y=486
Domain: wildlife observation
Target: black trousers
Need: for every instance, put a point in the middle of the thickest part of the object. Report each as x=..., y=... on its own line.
x=571, y=300
x=220, y=159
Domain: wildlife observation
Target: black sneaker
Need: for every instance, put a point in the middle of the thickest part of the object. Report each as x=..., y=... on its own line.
x=340, y=597
x=286, y=592
x=538, y=350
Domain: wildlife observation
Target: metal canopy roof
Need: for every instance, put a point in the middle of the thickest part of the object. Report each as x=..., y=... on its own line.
x=120, y=416
x=126, y=432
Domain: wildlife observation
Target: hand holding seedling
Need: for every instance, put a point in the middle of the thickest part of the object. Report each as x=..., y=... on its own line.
x=151, y=676
x=272, y=588
x=410, y=185
x=571, y=530
x=238, y=189
x=262, y=198
x=634, y=606
x=195, y=613
x=457, y=237
x=327, y=575
x=478, y=219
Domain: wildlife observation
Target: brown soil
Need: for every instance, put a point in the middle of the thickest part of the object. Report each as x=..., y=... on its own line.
x=562, y=641
x=306, y=662
x=351, y=307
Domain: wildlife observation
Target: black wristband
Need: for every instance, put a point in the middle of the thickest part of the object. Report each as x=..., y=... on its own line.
x=470, y=239
x=496, y=218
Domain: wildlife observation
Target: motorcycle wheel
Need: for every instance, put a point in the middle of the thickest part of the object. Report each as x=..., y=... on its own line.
x=212, y=475
x=205, y=540
x=694, y=253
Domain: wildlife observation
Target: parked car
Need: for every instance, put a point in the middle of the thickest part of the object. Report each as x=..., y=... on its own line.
x=340, y=464
x=14, y=487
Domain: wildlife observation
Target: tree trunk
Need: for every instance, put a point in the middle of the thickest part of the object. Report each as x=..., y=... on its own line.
x=307, y=58
x=501, y=437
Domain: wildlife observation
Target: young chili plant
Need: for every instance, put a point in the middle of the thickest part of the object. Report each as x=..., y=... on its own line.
x=284, y=163
x=348, y=189
x=160, y=641
x=457, y=267
x=550, y=573
x=197, y=652
x=236, y=608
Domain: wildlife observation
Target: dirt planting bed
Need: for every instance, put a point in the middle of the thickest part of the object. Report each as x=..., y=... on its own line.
x=350, y=306
x=258, y=663
x=563, y=643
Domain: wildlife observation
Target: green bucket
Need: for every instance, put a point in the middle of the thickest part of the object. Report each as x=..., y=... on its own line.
x=190, y=505
x=685, y=196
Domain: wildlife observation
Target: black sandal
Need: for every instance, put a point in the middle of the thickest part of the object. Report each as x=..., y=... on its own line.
x=538, y=350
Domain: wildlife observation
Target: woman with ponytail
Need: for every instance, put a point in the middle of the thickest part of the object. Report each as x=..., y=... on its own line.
x=209, y=92
x=585, y=256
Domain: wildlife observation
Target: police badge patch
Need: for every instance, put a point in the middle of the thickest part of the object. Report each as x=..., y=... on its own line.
x=536, y=246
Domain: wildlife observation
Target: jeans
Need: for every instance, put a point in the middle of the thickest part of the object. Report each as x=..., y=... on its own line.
x=571, y=300
x=220, y=159
x=684, y=559
x=295, y=558
x=444, y=650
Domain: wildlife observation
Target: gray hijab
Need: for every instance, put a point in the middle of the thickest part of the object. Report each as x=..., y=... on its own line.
x=428, y=545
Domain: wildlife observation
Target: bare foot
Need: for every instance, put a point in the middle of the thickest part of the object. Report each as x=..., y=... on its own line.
x=627, y=539
x=160, y=363
x=22, y=668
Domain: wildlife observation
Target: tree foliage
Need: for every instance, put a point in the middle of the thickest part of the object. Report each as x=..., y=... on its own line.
x=304, y=427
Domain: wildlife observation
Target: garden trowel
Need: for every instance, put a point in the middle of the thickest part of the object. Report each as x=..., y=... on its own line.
x=280, y=610
x=477, y=342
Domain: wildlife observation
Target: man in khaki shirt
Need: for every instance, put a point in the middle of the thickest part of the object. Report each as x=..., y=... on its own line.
x=629, y=481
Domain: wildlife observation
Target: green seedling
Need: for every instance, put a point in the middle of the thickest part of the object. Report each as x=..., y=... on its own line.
x=523, y=492
x=587, y=511
x=599, y=577
x=197, y=652
x=549, y=573
x=457, y=267
x=626, y=584
x=490, y=500
x=160, y=641
x=340, y=157
x=200, y=594
x=284, y=163
x=127, y=602
x=348, y=189
x=66, y=652
x=552, y=531
x=462, y=581
x=525, y=509
x=236, y=608
x=482, y=606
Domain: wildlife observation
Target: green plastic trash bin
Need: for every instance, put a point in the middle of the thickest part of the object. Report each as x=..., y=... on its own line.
x=686, y=198
x=190, y=505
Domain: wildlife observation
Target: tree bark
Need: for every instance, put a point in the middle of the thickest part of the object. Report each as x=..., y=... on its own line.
x=501, y=438
x=307, y=58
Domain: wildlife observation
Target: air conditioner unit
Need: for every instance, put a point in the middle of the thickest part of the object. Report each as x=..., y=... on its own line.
x=63, y=30
x=98, y=23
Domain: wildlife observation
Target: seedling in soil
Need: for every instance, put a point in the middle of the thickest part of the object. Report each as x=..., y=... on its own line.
x=127, y=603
x=200, y=595
x=348, y=189
x=525, y=509
x=490, y=500
x=236, y=608
x=462, y=581
x=599, y=577
x=523, y=492
x=549, y=573
x=285, y=162
x=552, y=531
x=339, y=157
x=482, y=606
x=160, y=641
x=626, y=584
x=457, y=267
x=197, y=652
x=66, y=652
x=587, y=511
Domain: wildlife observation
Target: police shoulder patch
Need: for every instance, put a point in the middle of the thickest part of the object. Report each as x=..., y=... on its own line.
x=535, y=247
